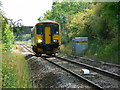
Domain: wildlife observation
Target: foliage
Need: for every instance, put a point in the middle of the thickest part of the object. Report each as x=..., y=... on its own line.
x=7, y=37
x=97, y=21
x=15, y=71
x=60, y=13
x=104, y=31
x=9, y=30
x=24, y=37
x=66, y=49
x=16, y=26
x=109, y=51
x=7, y=33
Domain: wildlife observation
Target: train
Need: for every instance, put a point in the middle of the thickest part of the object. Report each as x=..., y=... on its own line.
x=46, y=38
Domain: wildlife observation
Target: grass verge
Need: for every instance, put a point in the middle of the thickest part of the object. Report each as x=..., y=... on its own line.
x=15, y=72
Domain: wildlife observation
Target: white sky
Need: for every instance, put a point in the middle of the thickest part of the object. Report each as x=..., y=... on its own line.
x=27, y=10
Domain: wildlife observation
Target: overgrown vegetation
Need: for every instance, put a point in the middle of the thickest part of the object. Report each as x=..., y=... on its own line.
x=15, y=72
x=97, y=21
x=66, y=49
x=24, y=37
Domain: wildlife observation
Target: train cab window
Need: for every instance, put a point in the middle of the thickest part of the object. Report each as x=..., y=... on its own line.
x=39, y=29
x=55, y=28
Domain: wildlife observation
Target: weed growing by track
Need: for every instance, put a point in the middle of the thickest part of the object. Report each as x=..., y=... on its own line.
x=15, y=72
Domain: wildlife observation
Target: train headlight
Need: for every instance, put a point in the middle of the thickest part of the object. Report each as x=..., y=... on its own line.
x=55, y=40
x=39, y=41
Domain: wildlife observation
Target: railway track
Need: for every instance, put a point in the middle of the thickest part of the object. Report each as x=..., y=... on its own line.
x=85, y=60
x=75, y=74
x=28, y=48
x=98, y=70
x=91, y=60
x=102, y=73
x=114, y=68
x=102, y=79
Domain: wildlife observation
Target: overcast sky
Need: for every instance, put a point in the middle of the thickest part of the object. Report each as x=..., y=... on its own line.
x=27, y=10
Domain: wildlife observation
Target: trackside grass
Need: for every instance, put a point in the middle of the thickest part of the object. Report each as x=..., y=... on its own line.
x=15, y=72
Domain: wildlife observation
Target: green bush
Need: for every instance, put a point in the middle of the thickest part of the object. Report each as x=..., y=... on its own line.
x=66, y=49
x=15, y=72
x=109, y=51
x=7, y=37
x=24, y=37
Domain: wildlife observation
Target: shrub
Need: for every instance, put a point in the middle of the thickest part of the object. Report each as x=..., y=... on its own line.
x=66, y=49
x=15, y=72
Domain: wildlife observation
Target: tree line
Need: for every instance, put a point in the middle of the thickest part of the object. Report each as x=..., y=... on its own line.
x=6, y=31
x=9, y=30
x=96, y=20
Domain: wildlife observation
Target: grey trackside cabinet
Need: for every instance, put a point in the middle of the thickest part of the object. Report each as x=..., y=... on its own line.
x=79, y=45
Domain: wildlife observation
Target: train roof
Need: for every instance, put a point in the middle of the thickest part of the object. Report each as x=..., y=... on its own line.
x=48, y=21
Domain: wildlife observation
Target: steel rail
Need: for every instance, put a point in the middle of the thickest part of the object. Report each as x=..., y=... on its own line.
x=98, y=70
x=76, y=75
x=104, y=72
x=26, y=47
x=104, y=63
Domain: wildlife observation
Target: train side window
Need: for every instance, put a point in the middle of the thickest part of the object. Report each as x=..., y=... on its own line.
x=39, y=29
x=55, y=28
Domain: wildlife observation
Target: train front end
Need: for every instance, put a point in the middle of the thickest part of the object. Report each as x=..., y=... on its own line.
x=46, y=38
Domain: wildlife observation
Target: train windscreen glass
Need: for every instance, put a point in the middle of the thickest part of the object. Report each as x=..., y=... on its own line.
x=55, y=28
x=39, y=29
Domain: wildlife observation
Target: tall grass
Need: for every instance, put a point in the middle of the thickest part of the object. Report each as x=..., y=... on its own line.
x=15, y=72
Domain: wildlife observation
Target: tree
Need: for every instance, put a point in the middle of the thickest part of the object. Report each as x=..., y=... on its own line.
x=7, y=34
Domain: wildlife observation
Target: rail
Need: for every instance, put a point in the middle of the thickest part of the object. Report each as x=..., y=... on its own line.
x=76, y=75
x=98, y=70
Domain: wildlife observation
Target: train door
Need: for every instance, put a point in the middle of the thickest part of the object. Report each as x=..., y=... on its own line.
x=47, y=35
